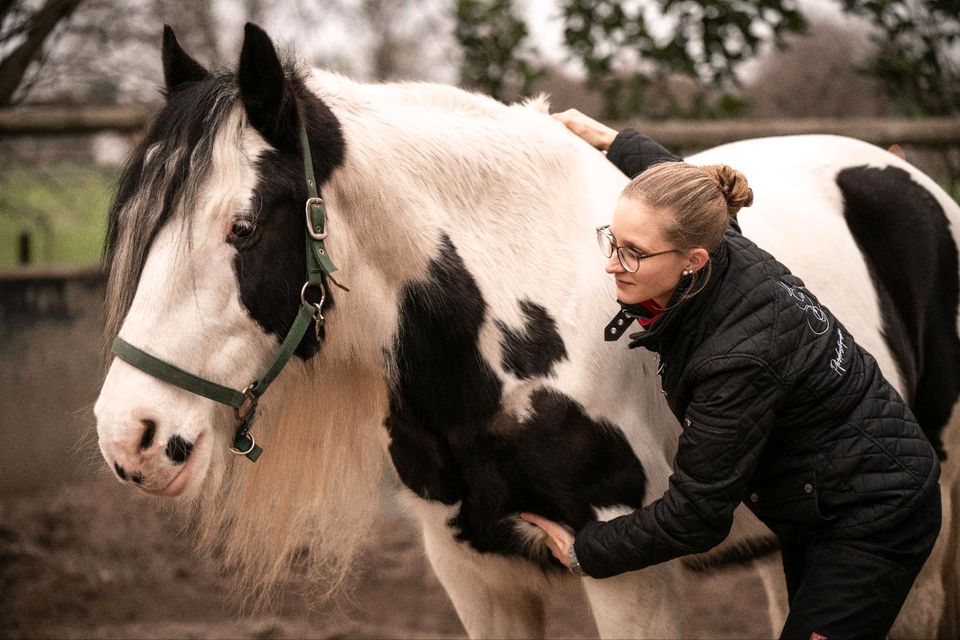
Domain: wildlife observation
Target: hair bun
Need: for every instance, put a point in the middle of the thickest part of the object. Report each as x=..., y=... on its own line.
x=733, y=185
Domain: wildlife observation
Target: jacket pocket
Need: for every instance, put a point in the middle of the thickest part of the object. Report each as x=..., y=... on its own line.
x=788, y=504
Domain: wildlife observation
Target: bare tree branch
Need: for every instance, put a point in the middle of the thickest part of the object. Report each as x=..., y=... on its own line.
x=41, y=25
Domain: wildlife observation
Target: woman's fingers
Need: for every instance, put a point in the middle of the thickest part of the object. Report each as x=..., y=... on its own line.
x=596, y=133
x=551, y=528
x=554, y=548
x=558, y=538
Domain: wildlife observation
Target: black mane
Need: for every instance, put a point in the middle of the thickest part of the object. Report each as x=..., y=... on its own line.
x=163, y=174
x=188, y=122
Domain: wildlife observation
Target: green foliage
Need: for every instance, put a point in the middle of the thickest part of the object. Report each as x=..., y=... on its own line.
x=633, y=51
x=63, y=208
x=706, y=40
x=918, y=57
x=623, y=55
x=497, y=59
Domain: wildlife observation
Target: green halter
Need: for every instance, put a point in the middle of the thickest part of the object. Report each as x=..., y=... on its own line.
x=244, y=402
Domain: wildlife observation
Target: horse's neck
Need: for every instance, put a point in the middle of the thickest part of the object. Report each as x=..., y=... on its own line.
x=524, y=232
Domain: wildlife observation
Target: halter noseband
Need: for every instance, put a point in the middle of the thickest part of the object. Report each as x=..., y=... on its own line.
x=244, y=402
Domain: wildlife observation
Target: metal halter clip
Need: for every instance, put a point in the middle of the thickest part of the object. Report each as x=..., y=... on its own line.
x=249, y=405
x=318, y=316
x=321, y=232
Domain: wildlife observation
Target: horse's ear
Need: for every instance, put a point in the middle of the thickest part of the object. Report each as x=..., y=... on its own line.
x=178, y=67
x=266, y=94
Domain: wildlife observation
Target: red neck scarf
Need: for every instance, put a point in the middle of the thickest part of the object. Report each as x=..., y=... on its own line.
x=654, y=309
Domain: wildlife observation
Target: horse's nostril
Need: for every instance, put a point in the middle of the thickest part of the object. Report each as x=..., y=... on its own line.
x=149, y=431
x=120, y=472
x=137, y=477
x=178, y=449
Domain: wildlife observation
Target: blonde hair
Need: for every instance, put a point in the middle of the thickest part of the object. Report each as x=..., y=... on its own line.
x=696, y=204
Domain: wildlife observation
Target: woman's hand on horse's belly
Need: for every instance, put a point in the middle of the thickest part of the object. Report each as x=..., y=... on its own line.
x=596, y=133
x=559, y=537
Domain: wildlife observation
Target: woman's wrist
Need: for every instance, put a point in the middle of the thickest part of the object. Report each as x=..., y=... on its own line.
x=572, y=561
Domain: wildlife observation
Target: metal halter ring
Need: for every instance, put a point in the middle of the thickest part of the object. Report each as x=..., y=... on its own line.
x=318, y=305
x=321, y=233
x=249, y=403
x=253, y=445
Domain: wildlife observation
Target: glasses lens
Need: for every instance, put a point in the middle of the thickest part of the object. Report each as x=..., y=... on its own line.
x=629, y=259
x=605, y=240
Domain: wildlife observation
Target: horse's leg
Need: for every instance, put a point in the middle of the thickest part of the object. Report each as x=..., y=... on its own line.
x=748, y=539
x=932, y=608
x=924, y=607
x=949, y=568
x=495, y=597
x=770, y=570
x=638, y=604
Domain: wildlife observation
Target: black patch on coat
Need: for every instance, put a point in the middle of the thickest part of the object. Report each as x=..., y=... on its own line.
x=451, y=440
x=178, y=449
x=535, y=350
x=272, y=271
x=905, y=238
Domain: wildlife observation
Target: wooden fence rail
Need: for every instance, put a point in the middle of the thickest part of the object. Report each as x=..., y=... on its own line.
x=676, y=134
x=701, y=134
x=58, y=120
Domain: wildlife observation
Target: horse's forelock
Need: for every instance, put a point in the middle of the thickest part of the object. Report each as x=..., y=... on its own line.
x=160, y=184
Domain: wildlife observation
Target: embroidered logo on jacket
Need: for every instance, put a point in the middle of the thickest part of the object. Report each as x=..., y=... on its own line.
x=817, y=318
x=837, y=362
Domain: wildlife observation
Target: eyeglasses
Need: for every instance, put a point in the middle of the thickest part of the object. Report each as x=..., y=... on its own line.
x=629, y=258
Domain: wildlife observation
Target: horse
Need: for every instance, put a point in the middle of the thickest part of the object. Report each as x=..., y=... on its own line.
x=456, y=341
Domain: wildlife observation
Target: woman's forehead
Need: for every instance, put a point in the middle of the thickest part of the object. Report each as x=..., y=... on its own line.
x=636, y=222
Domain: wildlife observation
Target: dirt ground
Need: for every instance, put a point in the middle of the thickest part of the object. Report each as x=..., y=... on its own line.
x=95, y=560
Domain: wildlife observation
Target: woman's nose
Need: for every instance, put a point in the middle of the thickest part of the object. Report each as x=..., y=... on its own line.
x=613, y=264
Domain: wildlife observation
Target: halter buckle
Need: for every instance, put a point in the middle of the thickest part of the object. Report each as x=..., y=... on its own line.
x=321, y=231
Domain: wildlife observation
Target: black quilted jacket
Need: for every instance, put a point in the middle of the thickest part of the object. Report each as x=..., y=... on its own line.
x=780, y=408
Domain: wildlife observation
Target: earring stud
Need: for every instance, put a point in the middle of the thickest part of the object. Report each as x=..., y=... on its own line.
x=687, y=272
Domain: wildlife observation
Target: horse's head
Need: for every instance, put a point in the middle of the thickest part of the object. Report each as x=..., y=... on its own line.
x=206, y=255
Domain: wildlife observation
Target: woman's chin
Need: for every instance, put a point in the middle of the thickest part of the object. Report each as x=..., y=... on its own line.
x=628, y=295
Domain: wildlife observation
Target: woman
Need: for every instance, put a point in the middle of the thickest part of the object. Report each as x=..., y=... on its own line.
x=779, y=407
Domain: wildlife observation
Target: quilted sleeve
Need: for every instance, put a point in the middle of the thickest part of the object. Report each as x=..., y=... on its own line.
x=725, y=428
x=632, y=152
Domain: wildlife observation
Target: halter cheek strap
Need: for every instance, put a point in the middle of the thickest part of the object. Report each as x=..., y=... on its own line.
x=244, y=402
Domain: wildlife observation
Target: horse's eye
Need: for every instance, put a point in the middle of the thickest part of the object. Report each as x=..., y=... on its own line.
x=241, y=228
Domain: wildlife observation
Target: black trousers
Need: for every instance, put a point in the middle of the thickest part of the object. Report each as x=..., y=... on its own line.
x=841, y=588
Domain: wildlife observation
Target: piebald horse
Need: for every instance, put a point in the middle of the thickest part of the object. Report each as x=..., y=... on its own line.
x=466, y=359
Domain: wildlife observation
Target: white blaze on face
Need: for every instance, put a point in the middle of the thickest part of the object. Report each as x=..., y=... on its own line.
x=187, y=311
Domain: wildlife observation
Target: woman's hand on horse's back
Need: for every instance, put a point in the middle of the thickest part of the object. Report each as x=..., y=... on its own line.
x=595, y=133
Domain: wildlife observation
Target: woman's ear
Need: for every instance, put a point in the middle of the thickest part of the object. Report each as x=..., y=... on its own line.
x=698, y=258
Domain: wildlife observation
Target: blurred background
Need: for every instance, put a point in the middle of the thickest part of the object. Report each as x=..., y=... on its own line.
x=79, y=77
x=79, y=80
